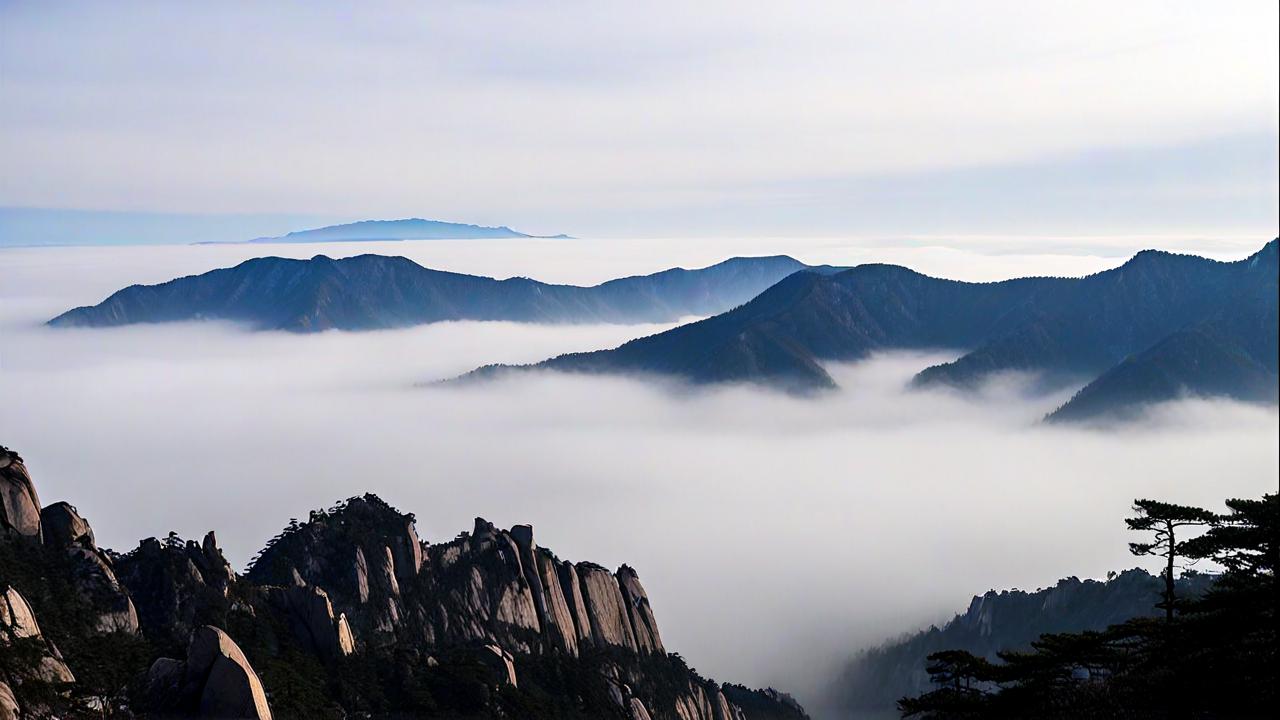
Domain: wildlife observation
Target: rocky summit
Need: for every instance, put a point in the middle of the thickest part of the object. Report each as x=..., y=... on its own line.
x=348, y=614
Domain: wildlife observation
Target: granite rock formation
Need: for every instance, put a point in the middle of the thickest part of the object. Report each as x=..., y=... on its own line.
x=19, y=504
x=95, y=576
x=215, y=681
x=347, y=612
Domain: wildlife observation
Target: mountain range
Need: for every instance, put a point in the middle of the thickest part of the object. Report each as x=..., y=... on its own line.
x=407, y=229
x=369, y=292
x=1159, y=326
x=348, y=614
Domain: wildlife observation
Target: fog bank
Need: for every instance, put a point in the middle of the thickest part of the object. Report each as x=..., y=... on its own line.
x=775, y=535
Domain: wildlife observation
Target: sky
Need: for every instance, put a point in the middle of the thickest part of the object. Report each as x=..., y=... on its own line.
x=775, y=535
x=193, y=122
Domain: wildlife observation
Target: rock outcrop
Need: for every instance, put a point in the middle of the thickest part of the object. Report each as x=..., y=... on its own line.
x=95, y=578
x=644, y=625
x=348, y=612
x=18, y=625
x=175, y=586
x=605, y=609
x=310, y=616
x=19, y=503
x=216, y=681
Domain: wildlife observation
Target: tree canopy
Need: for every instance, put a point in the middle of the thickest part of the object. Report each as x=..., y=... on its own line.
x=1215, y=658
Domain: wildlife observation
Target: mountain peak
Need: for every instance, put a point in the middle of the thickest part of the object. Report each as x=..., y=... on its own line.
x=1063, y=328
x=1265, y=256
x=401, y=229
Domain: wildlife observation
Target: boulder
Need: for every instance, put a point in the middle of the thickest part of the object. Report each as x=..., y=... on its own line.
x=19, y=503
x=220, y=680
x=62, y=526
x=17, y=616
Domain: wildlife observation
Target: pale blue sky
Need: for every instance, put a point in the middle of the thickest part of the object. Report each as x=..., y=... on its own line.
x=604, y=118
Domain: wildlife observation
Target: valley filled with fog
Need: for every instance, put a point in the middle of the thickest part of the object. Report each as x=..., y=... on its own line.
x=775, y=534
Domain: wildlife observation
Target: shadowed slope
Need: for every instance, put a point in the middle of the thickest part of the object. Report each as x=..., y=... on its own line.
x=1060, y=328
x=373, y=291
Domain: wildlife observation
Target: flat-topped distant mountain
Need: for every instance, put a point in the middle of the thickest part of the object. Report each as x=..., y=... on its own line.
x=1159, y=326
x=407, y=229
x=376, y=291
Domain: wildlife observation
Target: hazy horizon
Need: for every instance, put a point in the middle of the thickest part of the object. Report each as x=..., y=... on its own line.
x=602, y=120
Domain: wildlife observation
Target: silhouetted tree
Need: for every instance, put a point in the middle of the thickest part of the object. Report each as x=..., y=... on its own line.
x=1165, y=520
x=1217, y=658
x=1244, y=540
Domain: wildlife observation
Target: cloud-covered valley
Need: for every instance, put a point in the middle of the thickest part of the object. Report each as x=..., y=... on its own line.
x=775, y=534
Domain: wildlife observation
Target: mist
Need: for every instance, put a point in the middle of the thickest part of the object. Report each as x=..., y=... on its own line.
x=776, y=535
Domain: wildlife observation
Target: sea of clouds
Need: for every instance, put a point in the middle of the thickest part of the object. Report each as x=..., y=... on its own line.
x=775, y=535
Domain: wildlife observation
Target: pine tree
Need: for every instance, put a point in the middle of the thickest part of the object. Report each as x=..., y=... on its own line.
x=1166, y=520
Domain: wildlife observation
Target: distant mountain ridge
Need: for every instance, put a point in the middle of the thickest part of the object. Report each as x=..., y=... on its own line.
x=1062, y=328
x=406, y=229
x=876, y=678
x=370, y=292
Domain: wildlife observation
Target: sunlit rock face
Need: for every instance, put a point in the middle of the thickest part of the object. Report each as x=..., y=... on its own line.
x=491, y=617
x=19, y=504
x=215, y=681
x=21, y=625
x=644, y=625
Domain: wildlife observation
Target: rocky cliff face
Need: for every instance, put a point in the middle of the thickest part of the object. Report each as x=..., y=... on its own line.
x=348, y=612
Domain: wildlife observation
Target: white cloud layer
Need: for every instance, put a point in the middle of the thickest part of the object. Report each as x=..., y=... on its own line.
x=774, y=534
